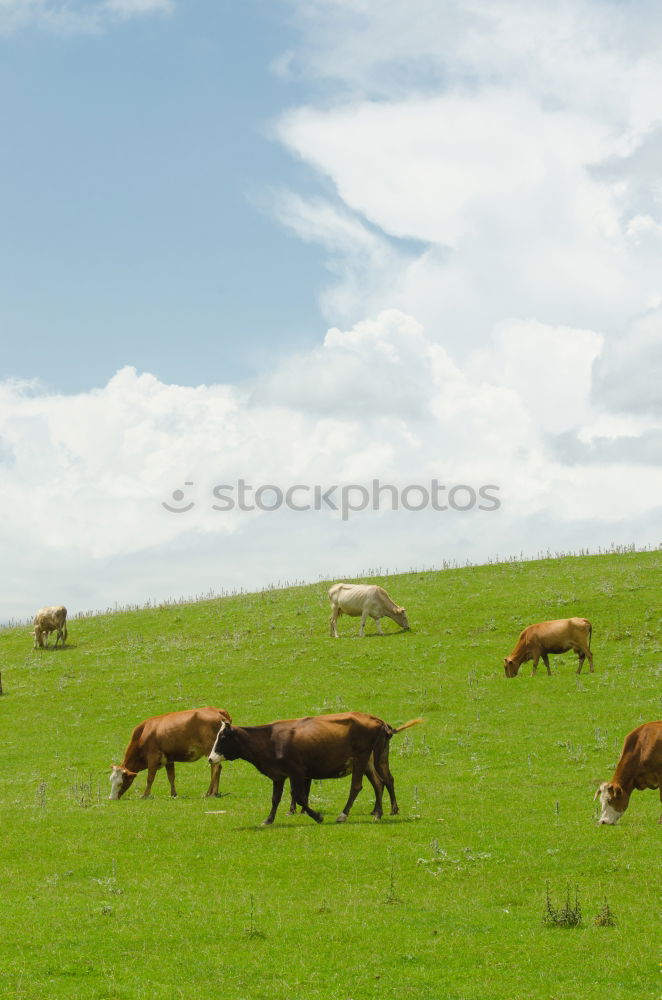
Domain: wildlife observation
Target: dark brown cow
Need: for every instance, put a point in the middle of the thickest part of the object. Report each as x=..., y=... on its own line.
x=322, y=746
x=49, y=620
x=640, y=766
x=559, y=636
x=165, y=740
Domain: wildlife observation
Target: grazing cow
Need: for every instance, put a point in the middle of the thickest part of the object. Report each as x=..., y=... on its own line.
x=322, y=746
x=559, y=636
x=363, y=599
x=49, y=620
x=165, y=740
x=640, y=766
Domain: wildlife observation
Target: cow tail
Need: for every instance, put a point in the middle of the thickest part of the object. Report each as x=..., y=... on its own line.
x=590, y=633
x=407, y=725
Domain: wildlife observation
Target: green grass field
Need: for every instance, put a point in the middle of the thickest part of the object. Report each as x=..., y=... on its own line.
x=193, y=898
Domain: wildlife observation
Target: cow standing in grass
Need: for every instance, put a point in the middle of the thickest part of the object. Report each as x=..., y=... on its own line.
x=166, y=740
x=639, y=766
x=366, y=600
x=49, y=620
x=559, y=636
x=322, y=746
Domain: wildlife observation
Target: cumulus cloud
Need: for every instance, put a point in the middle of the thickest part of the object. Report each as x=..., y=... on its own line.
x=490, y=209
x=86, y=477
x=517, y=143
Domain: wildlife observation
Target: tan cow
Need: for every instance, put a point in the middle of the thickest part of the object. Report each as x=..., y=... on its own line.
x=559, y=636
x=363, y=599
x=639, y=766
x=49, y=620
x=165, y=740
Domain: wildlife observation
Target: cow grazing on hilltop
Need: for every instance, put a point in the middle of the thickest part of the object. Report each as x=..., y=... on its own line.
x=165, y=740
x=559, y=636
x=363, y=599
x=639, y=766
x=49, y=620
x=322, y=746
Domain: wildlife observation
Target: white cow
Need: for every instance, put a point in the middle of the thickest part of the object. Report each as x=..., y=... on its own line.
x=365, y=600
x=49, y=620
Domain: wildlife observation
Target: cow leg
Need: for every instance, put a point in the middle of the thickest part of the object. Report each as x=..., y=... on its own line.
x=379, y=627
x=375, y=781
x=582, y=657
x=212, y=791
x=276, y=795
x=300, y=792
x=363, y=618
x=170, y=771
x=152, y=768
x=387, y=779
x=535, y=664
x=590, y=659
x=293, y=802
x=545, y=660
x=359, y=767
x=332, y=623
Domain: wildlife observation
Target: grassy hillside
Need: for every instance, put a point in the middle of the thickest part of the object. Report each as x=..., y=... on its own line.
x=189, y=898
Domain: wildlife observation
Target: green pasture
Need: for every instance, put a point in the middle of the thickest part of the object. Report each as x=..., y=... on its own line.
x=192, y=898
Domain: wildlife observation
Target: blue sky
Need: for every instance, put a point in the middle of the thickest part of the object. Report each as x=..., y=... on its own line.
x=135, y=163
x=308, y=244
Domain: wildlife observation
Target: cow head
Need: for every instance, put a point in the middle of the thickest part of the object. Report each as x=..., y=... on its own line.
x=400, y=616
x=224, y=745
x=510, y=666
x=613, y=800
x=120, y=779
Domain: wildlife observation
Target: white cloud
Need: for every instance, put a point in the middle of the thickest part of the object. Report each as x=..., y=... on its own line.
x=519, y=142
x=81, y=515
x=490, y=207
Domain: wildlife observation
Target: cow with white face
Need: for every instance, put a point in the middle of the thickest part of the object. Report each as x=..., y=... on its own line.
x=163, y=741
x=639, y=766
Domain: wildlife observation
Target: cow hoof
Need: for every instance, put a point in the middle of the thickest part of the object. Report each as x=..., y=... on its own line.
x=318, y=818
x=342, y=818
x=267, y=822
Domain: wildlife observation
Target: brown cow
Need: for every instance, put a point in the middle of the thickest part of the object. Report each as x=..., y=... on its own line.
x=559, y=636
x=49, y=620
x=322, y=746
x=364, y=599
x=640, y=766
x=165, y=740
